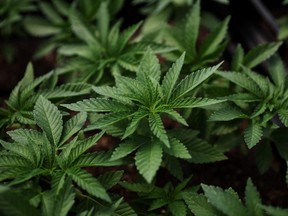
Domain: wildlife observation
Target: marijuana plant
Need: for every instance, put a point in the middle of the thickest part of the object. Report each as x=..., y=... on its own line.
x=24, y=95
x=217, y=201
x=185, y=35
x=142, y=101
x=56, y=155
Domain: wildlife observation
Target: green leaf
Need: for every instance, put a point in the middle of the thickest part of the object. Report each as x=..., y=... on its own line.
x=227, y=201
x=97, y=105
x=283, y=115
x=64, y=200
x=40, y=27
x=214, y=39
x=192, y=102
x=177, y=149
x=277, y=71
x=138, y=187
x=103, y=19
x=227, y=114
x=275, y=211
x=263, y=156
x=252, y=200
x=14, y=161
x=82, y=147
x=109, y=179
x=253, y=134
x=202, y=152
x=150, y=66
x=82, y=30
x=176, y=116
x=237, y=58
x=148, y=160
x=243, y=81
x=49, y=119
x=177, y=208
x=136, y=119
x=96, y=159
x=260, y=53
x=50, y=13
x=87, y=182
x=72, y=126
x=170, y=79
x=191, y=29
x=124, y=149
x=157, y=128
x=191, y=81
x=199, y=205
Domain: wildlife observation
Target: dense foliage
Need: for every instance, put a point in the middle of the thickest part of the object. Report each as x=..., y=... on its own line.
x=157, y=90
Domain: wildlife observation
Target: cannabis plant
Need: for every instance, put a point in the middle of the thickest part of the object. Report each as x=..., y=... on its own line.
x=20, y=103
x=217, y=201
x=106, y=52
x=55, y=155
x=184, y=36
x=141, y=103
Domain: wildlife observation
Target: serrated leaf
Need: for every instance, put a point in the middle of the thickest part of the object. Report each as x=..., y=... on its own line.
x=176, y=116
x=283, y=115
x=202, y=152
x=177, y=208
x=252, y=200
x=97, y=105
x=191, y=29
x=64, y=200
x=177, y=149
x=109, y=179
x=87, y=182
x=148, y=159
x=49, y=119
x=275, y=211
x=157, y=128
x=96, y=159
x=173, y=165
x=132, y=127
x=243, y=81
x=252, y=134
x=191, y=81
x=192, y=102
x=137, y=187
x=14, y=161
x=277, y=71
x=214, y=39
x=149, y=65
x=170, y=79
x=83, y=146
x=260, y=53
x=227, y=114
x=72, y=126
x=227, y=201
x=199, y=205
x=124, y=149
x=237, y=58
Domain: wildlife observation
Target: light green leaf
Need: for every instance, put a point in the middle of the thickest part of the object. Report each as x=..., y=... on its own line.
x=252, y=134
x=124, y=149
x=87, y=182
x=199, y=205
x=191, y=81
x=237, y=58
x=64, y=200
x=260, y=53
x=252, y=200
x=72, y=126
x=109, y=179
x=148, y=160
x=157, y=128
x=49, y=119
x=277, y=71
x=227, y=114
x=227, y=201
x=40, y=27
x=170, y=79
x=177, y=149
x=132, y=127
x=191, y=102
x=97, y=105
